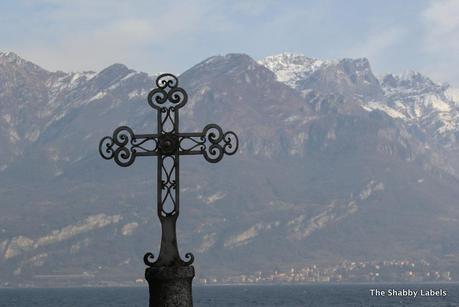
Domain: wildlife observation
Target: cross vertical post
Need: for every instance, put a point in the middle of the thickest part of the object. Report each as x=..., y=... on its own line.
x=169, y=277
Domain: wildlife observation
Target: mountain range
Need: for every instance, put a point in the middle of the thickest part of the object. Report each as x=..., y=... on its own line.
x=335, y=166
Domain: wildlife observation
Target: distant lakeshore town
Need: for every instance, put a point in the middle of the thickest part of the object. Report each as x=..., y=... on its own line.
x=347, y=271
x=393, y=271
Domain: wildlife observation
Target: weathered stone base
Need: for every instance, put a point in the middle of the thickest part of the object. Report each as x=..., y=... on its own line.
x=170, y=286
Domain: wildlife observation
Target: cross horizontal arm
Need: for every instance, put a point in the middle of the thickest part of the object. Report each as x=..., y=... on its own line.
x=124, y=146
x=212, y=143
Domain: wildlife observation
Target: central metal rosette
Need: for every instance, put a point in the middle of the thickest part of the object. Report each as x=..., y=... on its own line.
x=168, y=144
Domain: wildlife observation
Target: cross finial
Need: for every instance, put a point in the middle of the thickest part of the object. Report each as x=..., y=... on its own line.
x=168, y=144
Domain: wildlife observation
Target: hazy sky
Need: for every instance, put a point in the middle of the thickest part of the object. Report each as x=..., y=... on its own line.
x=172, y=36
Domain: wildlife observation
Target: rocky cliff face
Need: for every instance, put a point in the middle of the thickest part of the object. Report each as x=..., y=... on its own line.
x=334, y=164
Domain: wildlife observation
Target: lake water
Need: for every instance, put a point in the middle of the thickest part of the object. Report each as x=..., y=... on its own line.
x=276, y=295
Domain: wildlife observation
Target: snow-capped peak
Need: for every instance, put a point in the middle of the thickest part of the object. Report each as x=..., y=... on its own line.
x=291, y=67
x=410, y=81
x=421, y=101
x=10, y=57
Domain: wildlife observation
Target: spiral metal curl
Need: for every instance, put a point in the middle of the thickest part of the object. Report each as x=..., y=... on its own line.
x=106, y=148
x=167, y=91
x=231, y=143
x=115, y=147
x=148, y=259
x=220, y=143
x=190, y=258
x=166, y=80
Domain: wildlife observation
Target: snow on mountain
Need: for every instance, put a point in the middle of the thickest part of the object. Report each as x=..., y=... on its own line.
x=304, y=175
x=415, y=95
x=34, y=100
x=422, y=102
x=409, y=82
x=329, y=86
x=410, y=96
x=453, y=94
x=11, y=57
x=291, y=68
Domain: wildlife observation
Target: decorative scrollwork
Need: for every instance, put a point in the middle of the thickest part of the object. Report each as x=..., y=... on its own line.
x=191, y=143
x=167, y=120
x=148, y=259
x=166, y=80
x=106, y=148
x=138, y=144
x=167, y=90
x=115, y=146
x=220, y=143
x=190, y=258
x=168, y=187
x=124, y=146
x=231, y=143
x=168, y=144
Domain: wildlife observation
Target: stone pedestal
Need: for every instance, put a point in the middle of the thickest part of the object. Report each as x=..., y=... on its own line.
x=170, y=286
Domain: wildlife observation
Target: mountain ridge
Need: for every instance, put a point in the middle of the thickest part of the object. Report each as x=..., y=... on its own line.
x=321, y=172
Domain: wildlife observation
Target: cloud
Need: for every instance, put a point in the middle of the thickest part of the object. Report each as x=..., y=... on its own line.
x=442, y=19
x=82, y=35
x=441, y=39
x=251, y=7
x=150, y=35
x=377, y=42
x=156, y=36
x=381, y=46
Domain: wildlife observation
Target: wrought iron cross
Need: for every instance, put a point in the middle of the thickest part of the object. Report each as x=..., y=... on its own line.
x=168, y=144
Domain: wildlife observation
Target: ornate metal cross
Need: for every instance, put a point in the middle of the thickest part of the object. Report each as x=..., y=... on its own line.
x=168, y=144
